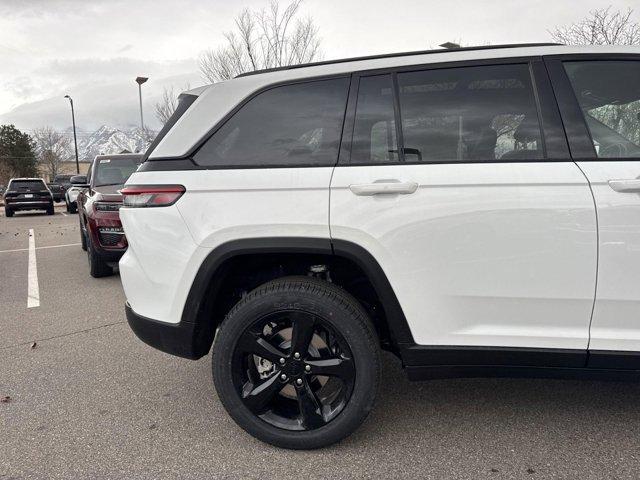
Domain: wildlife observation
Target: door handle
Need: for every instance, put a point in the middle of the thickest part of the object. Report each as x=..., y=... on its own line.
x=388, y=187
x=625, y=186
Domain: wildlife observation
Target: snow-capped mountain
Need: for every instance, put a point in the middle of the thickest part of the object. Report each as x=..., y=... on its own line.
x=108, y=140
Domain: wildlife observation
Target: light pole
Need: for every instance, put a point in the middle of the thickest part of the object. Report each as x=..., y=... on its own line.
x=140, y=81
x=75, y=140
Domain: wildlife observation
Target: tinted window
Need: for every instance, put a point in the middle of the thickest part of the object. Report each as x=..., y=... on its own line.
x=609, y=95
x=374, y=131
x=113, y=171
x=289, y=125
x=20, y=185
x=469, y=114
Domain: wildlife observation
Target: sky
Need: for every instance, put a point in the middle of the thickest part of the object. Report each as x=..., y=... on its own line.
x=93, y=50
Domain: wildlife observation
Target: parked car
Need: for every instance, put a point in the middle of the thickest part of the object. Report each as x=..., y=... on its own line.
x=70, y=198
x=27, y=194
x=98, y=203
x=64, y=180
x=57, y=191
x=476, y=212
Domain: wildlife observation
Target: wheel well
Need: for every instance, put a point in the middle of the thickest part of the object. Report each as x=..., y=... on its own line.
x=240, y=274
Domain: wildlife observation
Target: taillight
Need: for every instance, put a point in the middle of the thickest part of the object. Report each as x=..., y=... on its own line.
x=151, y=195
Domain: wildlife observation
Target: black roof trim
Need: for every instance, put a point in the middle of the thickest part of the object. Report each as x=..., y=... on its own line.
x=400, y=54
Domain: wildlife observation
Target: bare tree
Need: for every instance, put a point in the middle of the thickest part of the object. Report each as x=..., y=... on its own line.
x=168, y=103
x=600, y=27
x=266, y=38
x=52, y=148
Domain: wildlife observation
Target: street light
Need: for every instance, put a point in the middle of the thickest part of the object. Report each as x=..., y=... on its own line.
x=140, y=81
x=75, y=140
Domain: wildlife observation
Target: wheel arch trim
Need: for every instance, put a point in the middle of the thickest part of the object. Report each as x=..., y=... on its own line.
x=206, y=282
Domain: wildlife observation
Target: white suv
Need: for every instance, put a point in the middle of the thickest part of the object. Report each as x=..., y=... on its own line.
x=475, y=211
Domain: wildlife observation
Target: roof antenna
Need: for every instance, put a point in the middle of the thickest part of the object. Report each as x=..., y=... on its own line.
x=449, y=45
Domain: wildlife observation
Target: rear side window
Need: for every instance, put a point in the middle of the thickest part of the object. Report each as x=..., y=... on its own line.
x=26, y=185
x=609, y=96
x=292, y=125
x=374, y=131
x=469, y=114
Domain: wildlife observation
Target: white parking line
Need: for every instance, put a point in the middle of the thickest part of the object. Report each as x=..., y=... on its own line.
x=40, y=248
x=63, y=214
x=33, y=291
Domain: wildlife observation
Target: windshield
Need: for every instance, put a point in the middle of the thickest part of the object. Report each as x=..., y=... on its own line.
x=114, y=171
x=22, y=185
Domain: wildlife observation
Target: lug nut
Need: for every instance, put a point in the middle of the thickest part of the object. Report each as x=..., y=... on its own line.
x=307, y=368
x=299, y=381
x=283, y=377
x=296, y=355
x=282, y=361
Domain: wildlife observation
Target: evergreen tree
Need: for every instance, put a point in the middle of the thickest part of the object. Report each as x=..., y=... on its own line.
x=17, y=155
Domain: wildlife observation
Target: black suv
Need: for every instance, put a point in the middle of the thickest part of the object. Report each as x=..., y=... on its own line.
x=27, y=194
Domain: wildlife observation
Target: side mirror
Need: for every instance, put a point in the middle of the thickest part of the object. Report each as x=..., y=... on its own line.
x=79, y=181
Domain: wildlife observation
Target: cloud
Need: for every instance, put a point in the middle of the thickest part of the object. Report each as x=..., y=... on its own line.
x=114, y=104
x=22, y=87
x=93, y=49
x=58, y=8
x=86, y=68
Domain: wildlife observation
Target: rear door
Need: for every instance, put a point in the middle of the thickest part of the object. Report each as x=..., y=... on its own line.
x=600, y=101
x=484, y=227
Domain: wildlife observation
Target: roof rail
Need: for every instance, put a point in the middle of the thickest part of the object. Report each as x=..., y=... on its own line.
x=400, y=54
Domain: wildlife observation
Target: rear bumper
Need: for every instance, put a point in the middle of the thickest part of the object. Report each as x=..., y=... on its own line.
x=31, y=205
x=111, y=252
x=182, y=339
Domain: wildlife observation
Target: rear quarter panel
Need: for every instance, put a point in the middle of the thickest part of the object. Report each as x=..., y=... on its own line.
x=167, y=245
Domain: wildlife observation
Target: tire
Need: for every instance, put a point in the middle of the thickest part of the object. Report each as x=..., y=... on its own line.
x=350, y=343
x=97, y=266
x=50, y=209
x=83, y=235
x=8, y=212
x=72, y=208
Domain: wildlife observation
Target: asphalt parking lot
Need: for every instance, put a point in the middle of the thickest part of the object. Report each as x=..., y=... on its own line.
x=92, y=401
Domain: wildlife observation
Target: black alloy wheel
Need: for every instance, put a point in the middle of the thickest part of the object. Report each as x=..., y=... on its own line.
x=293, y=370
x=296, y=363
